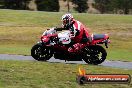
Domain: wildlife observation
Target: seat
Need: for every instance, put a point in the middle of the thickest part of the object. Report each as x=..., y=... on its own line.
x=98, y=36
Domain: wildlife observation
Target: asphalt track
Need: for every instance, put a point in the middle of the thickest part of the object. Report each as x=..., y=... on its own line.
x=106, y=63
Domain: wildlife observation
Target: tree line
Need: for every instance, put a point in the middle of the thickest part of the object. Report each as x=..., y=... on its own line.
x=41, y=5
x=104, y=6
x=114, y=6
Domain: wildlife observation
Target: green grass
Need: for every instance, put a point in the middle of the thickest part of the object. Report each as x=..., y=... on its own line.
x=34, y=74
x=20, y=30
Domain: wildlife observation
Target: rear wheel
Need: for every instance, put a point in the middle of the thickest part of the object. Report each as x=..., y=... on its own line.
x=94, y=54
x=41, y=53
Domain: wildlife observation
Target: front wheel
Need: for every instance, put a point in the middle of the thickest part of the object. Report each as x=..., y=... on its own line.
x=95, y=54
x=41, y=53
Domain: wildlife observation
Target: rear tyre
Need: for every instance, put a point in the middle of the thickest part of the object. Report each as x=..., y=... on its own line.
x=41, y=53
x=95, y=54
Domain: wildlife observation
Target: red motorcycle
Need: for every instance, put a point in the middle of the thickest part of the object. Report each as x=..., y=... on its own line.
x=57, y=45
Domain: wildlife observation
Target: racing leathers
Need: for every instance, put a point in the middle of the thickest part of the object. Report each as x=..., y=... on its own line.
x=78, y=34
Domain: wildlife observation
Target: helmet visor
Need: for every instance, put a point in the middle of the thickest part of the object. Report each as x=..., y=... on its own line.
x=64, y=21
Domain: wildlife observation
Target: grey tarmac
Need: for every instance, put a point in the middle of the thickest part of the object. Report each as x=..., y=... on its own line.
x=106, y=63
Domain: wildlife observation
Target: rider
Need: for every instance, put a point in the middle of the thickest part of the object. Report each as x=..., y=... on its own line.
x=78, y=32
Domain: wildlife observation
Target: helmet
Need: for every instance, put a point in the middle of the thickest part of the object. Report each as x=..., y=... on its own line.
x=67, y=19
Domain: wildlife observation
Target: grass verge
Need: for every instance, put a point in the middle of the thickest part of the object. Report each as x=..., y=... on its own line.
x=34, y=74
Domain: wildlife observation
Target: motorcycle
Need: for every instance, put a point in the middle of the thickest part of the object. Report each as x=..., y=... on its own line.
x=57, y=45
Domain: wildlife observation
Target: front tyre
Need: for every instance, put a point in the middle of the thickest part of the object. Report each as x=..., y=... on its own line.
x=95, y=54
x=40, y=52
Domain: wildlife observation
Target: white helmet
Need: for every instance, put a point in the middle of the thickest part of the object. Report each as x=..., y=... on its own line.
x=67, y=19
